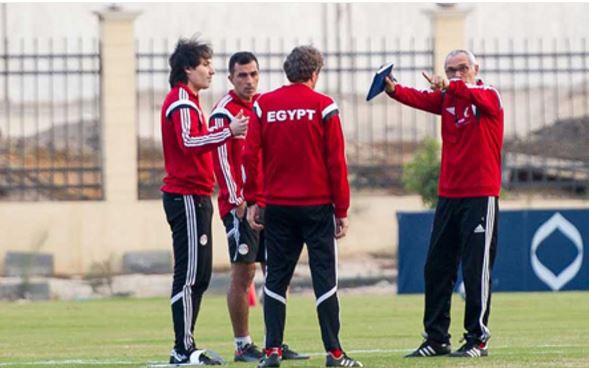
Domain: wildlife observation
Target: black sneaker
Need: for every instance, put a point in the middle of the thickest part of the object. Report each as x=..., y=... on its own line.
x=195, y=357
x=343, y=361
x=289, y=354
x=430, y=348
x=249, y=353
x=272, y=360
x=178, y=358
x=472, y=349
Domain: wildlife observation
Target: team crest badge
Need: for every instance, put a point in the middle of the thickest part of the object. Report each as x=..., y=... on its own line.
x=203, y=239
x=243, y=249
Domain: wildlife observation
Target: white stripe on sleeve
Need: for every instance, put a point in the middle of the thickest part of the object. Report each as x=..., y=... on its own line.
x=328, y=110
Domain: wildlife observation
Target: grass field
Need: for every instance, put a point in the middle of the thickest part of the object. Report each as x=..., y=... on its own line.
x=529, y=330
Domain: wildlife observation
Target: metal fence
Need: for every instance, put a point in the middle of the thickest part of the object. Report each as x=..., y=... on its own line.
x=50, y=146
x=49, y=122
x=545, y=91
x=380, y=135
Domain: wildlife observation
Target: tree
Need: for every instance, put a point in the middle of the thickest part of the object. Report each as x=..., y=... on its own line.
x=421, y=175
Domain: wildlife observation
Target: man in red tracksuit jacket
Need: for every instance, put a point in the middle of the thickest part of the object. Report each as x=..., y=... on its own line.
x=465, y=222
x=307, y=195
x=246, y=246
x=187, y=188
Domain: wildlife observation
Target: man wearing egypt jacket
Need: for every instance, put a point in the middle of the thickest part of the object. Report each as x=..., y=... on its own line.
x=188, y=184
x=465, y=222
x=307, y=195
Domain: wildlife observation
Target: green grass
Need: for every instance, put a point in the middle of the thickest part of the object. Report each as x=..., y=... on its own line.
x=529, y=330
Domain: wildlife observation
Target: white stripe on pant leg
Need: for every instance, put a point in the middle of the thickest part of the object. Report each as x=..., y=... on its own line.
x=488, y=283
x=331, y=292
x=485, y=274
x=185, y=316
x=189, y=338
x=192, y=241
x=236, y=234
x=326, y=296
x=184, y=313
x=192, y=232
x=185, y=302
x=192, y=281
x=336, y=264
x=274, y=295
x=176, y=297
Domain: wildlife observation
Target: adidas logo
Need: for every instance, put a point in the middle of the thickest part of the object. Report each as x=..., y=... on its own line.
x=479, y=229
x=427, y=351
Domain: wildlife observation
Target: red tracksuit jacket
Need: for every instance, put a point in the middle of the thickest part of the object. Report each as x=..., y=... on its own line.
x=299, y=133
x=472, y=135
x=228, y=157
x=187, y=143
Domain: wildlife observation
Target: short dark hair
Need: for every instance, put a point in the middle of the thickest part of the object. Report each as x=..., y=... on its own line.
x=241, y=58
x=301, y=63
x=188, y=53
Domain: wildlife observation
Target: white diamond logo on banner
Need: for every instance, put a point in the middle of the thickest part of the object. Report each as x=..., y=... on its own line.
x=557, y=222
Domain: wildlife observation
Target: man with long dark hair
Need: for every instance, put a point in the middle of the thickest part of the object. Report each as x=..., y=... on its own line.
x=188, y=184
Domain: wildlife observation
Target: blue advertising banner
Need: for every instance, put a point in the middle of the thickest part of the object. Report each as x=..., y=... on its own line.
x=537, y=250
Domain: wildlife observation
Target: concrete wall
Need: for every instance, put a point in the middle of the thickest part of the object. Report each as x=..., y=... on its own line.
x=79, y=234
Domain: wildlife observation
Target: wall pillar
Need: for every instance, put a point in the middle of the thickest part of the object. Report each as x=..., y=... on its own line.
x=118, y=105
x=449, y=33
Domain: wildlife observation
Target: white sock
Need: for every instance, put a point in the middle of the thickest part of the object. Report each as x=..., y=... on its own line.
x=240, y=342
